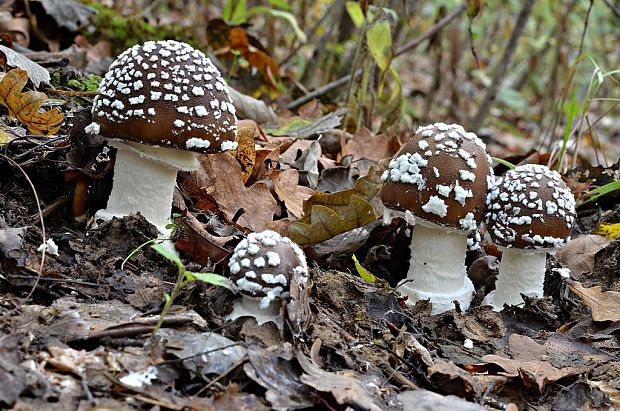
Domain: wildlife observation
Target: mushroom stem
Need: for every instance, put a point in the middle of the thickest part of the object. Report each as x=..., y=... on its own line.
x=143, y=184
x=520, y=272
x=437, y=268
x=249, y=306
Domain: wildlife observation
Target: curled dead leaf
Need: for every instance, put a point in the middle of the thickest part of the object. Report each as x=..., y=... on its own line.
x=327, y=215
x=26, y=107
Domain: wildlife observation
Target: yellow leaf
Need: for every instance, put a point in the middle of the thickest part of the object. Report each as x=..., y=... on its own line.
x=245, y=153
x=379, y=40
x=611, y=231
x=26, y=107
x=364, y=273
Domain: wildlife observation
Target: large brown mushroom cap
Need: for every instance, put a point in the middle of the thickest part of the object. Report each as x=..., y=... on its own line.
x=530, y=208
x=169, y=94
x=441, y=175
x=262, y=265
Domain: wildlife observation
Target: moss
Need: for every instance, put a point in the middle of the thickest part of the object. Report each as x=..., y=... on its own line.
x=123, y=32
x=88, y=83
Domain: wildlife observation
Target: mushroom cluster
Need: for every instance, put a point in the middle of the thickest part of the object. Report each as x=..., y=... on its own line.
x=438, y=182
x=530, y=212
x=157, y=101
x=261, y=267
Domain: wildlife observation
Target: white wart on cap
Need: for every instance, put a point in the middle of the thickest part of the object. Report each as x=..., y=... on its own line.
x=262, y=266
x=530, y=208
x=440, y=175
x=166, y=93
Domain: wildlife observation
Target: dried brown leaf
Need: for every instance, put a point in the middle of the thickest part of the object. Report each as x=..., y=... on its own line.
x=26, y=107
x=287, y=188
x=366, y=145
x=327, y=215
x=245, y=153
x=219, y=177
x=204, y=247
x=605, y=305
x=578, y=254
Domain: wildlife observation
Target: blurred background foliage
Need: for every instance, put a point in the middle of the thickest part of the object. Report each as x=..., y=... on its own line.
x=559, y=90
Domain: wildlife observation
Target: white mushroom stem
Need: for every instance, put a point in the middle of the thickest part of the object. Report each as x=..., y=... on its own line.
x=249, y=306
x=144, y=181
x=520, y=272
x=437, y=268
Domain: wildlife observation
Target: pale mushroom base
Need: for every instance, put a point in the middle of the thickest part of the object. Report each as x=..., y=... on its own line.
x=441, y=302
x=437, y=269
x=249, y=306
x=520, y=272
x=144, y=181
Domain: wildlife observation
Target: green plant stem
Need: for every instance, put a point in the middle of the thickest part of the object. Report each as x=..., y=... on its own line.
x=175, y=292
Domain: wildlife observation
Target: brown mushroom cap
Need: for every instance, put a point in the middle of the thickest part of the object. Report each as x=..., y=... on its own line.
x=262, y=265
x=169, y=94
x=441, y=175
x=530, y=208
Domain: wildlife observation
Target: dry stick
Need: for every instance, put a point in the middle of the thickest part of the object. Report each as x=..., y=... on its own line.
x=580, y=132
x=500, y=72
x=36, y=198
x=613, y=8
x=402, y=50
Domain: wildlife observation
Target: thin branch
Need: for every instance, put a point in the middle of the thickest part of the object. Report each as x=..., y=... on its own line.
x=613, y=8
x=502, y=66
x=432, y=31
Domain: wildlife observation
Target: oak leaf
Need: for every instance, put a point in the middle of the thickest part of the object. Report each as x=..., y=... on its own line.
x=219, y=178
x=327, y=215
x=26, y=106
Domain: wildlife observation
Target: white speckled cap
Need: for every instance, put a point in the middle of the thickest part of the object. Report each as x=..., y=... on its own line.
x=166, y=93
x=530, y=208
x=440, y=175
x=262, y=266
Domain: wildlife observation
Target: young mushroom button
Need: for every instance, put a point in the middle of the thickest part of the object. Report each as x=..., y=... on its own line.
x=261, y=267
x=530, y=212
x=157, y=101
x=438, y=182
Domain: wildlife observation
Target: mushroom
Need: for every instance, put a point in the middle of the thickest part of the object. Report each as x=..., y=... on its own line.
x=437, y=182
x=530, y=212
x=158, y=104
x=261, y=267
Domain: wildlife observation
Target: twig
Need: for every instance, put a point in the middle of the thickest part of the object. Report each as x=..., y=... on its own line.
x=52, y=208
x=56, y=280
x=585, y=28
x=435, y=28
x=36, y=198
x=71, y=93
x=404, y=49
x=321, y=90
x=500, y=72
x=613, y=8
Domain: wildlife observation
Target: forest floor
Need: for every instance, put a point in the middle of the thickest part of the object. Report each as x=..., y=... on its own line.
x=76, y=323
x=79, y=335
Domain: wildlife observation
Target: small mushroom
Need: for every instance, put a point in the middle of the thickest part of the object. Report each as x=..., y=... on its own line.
x=437, y=182
x=80, y=193
x=261, y=267
x=158, y=103
x=530, y=212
